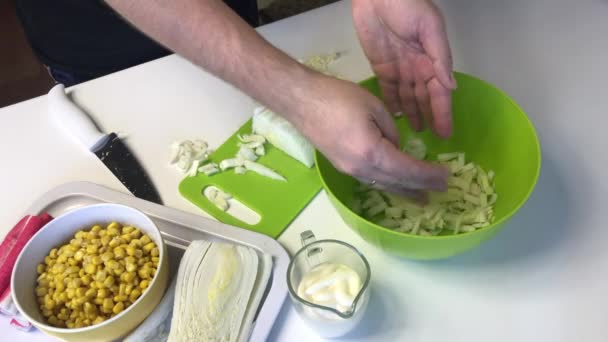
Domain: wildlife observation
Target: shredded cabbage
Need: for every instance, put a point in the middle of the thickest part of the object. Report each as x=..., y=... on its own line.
x=322, y=62
x=189, y=155
x=230, y=163
x=239, y=170
x=209, y=169
x=246, y=152
x=217, y=197
x=260, y=151
x=185, y=154
x=251, y=138
x=467, y=205
x=262, y=170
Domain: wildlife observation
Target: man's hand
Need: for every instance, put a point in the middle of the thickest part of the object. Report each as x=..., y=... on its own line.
x=406, y=44
x=345, y=122
x=352, y=128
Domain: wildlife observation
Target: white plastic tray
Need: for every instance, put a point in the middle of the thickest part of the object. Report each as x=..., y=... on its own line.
x=179, y=229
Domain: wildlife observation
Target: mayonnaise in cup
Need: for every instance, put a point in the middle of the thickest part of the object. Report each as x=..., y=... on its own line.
x=328, y=283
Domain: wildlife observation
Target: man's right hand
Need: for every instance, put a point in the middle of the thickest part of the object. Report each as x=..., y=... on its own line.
x=352, y=128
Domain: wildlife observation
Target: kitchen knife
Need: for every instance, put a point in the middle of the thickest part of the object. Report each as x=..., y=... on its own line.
x=108, y=147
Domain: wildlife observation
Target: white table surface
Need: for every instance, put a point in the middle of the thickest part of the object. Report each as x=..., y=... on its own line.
x=541, y=279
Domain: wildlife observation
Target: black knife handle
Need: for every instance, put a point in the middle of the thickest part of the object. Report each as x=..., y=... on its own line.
x=123, y=164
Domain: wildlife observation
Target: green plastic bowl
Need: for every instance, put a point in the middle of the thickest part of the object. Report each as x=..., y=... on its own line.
x=493, y=132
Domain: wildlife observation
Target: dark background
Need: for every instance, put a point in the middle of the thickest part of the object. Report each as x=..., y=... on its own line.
x=23, y=77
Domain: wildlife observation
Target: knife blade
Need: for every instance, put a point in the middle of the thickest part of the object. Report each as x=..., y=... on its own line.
x=109, y=148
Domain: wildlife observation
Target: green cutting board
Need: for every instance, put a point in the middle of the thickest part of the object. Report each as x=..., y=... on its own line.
x=277, y=202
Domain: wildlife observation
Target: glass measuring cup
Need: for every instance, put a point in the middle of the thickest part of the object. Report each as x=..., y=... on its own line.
x=327, y=321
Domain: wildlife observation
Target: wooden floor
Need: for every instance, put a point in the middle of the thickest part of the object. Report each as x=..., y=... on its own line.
x=23, y=77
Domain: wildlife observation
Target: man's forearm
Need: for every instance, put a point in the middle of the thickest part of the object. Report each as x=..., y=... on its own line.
x=209, y=34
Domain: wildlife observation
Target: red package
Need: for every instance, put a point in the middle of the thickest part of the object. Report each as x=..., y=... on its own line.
x=13, y=244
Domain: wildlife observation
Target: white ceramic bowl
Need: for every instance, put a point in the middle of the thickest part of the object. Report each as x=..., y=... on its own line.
x=58, y=232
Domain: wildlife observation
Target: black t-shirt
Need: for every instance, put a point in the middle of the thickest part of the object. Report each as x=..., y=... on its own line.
x=89, y=38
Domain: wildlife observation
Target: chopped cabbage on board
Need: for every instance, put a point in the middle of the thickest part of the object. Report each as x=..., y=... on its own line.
x=218, y=197
x=467, y=205
x=190, y=156
x=209, y=169
x=187, y=155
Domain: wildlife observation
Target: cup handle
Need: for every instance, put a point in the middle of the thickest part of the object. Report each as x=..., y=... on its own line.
x=307, y=237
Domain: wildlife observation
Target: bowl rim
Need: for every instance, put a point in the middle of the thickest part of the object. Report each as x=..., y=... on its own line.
x=494, y=224
x=46, y=326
